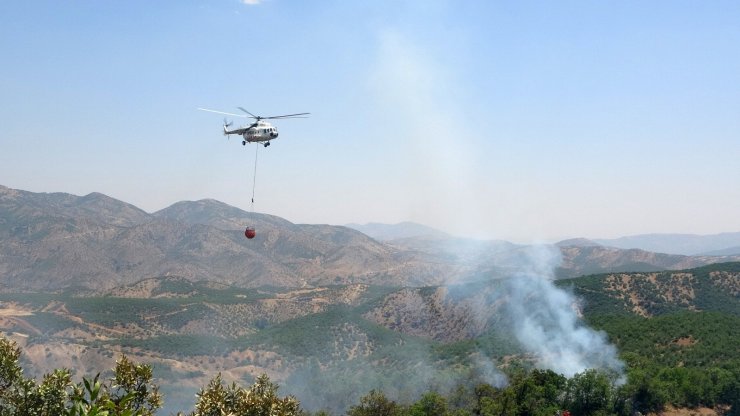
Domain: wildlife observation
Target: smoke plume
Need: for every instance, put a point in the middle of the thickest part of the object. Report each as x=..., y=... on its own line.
x=524, y=304
x=544, y=319
x=547, y=323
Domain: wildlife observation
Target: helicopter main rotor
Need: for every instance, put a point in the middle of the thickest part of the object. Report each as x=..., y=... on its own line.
x=258, y=118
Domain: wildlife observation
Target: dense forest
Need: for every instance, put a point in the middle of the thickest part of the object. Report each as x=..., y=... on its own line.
x=130, y=391
x=676, y=332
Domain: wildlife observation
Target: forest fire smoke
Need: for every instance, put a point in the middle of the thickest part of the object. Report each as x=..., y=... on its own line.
x=545, y=320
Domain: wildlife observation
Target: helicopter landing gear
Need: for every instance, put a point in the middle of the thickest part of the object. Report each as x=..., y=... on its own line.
x=267, y=144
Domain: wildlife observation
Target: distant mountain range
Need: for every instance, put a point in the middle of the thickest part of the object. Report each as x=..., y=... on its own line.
x=686, y=244
x=52, y=241
x=723, y=244
x=407, y=229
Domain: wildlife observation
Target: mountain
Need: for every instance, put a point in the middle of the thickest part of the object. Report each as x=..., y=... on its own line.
x=580, y=260
x=17, y=207
x=459, y=250
x=386, y=232
x=218, y=215
x=686, y=244
x=53, y=241
x=565, y=259
x=714, y=287
x=729, y=251
x=577, y=242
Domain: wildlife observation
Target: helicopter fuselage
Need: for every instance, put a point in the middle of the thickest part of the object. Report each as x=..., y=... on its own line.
x=259, y=131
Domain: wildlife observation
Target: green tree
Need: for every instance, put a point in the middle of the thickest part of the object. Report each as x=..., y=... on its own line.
x=648, y=393
x=589, y=393
x=375, y=404
x=22, y=396
x=430, y=404
x=132, y=388
x=537, y=393
x=10, y=371
x=260, y=399
x=492, y=401
x=11, y=376
x=87, y=399
x=130, y=393
x=51, y=397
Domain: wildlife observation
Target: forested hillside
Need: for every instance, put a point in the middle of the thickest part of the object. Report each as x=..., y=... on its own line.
x=677, y=333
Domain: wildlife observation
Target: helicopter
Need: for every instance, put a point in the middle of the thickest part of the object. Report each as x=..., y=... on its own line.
x=259, y=131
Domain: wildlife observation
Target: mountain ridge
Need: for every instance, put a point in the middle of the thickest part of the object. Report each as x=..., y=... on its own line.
x=686, y=244
x=52, y=241
x=405, y=229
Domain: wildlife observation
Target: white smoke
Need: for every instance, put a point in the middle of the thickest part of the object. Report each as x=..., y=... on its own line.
x=546, y=320
x=488, y=372
x=414, y=88
x=412, y=84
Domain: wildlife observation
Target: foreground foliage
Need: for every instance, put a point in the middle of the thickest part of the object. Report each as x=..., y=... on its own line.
x=259, y=400
x=130, y=392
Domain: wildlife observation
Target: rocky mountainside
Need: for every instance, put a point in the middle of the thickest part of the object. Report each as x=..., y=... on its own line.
x=94, y=242
x=714, y=287
x=53, y=241
x=583, y=260
x=21, y=208
x=565, y=259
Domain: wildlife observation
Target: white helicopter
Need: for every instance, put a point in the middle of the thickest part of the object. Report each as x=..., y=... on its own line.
x=259, y=131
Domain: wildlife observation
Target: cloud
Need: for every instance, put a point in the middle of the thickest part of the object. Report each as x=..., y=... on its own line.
x=251, y=2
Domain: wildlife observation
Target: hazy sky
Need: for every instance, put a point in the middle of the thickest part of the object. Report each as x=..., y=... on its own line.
x=514, y=120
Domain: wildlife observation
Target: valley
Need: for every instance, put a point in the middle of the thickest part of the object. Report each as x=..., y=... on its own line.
x=189, y=331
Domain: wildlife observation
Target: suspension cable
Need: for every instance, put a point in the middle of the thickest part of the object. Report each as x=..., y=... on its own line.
x=254, y=176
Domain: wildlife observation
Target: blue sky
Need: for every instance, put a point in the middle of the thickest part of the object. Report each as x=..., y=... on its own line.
x=514, y=120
